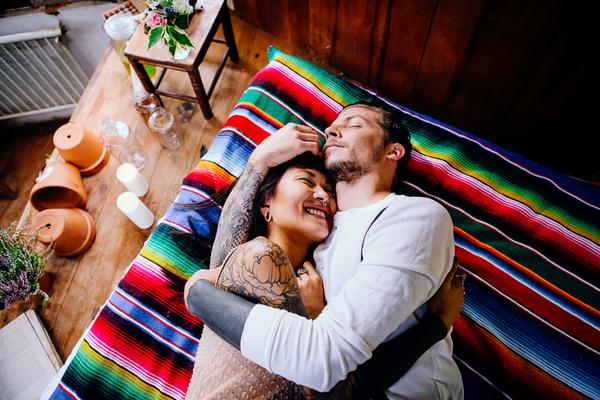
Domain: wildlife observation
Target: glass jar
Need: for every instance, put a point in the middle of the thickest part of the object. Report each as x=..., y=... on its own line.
x=162, y=123
x=145, y=103
x=122, y=143
x=120, y=28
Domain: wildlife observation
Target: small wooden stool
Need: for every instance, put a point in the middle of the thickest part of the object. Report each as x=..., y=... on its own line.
x=203, y=26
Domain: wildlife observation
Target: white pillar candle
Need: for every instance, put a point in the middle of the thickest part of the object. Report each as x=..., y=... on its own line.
x=135, y=210
x=129, y=176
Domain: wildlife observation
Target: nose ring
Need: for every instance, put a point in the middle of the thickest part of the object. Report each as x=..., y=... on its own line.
x=324, y=202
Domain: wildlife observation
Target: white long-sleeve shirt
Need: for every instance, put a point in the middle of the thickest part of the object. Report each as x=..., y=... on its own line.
x=407, y=253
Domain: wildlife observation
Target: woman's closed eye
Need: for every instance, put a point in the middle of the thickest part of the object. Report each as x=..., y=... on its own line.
x=308, y=181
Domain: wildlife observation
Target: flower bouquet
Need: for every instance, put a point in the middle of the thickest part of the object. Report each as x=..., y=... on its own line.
x=20, y=266
x=168, y=20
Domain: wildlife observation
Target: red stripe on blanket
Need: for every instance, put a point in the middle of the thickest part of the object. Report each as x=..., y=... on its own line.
x=465, y=187
x=254, y=131
x=169, y=367
x=163, y=291
x=261, y=113
x=529, y=298
x=526, y=380
x=525, y=271
x=210, y=174
x=300, y=93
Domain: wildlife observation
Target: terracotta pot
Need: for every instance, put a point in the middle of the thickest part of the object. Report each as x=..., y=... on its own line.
x=59, y=186
x=71, y=230
x=81, y=148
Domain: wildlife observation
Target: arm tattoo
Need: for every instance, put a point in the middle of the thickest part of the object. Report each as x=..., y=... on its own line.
x=236, y=218
x=260, y=271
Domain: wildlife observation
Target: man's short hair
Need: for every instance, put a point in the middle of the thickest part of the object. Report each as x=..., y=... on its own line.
x=391, y=122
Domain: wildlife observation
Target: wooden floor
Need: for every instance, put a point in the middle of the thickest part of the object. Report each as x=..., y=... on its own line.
x=73, y=302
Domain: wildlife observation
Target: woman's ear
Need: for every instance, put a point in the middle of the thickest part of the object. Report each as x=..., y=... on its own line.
x=395, y=152
x=264, y=208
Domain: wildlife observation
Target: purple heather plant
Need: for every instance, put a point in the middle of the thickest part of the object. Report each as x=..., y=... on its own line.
x=20, y=265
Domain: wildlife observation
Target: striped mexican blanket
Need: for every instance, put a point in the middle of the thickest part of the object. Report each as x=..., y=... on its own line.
x=528, y=237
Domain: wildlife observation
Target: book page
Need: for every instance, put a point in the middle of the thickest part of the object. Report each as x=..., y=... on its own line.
x=25, y=368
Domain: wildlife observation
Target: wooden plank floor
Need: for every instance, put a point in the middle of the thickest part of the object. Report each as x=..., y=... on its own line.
x=82, y=284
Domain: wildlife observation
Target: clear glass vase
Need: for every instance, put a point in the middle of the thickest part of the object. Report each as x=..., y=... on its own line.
x=162, y=122
x=122, y=143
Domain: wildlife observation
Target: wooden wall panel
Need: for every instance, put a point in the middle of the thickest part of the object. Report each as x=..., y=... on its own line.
x=516, y=72
x=321, y=29
x=409, y=26
x=274, y=17
x=446, y=51
x=515, y=38
x=352, y=45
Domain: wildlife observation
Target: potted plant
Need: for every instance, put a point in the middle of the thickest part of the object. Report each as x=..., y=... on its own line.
x=21, y=267
x=169, y=20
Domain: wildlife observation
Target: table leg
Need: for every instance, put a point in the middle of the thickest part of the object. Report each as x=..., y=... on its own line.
x=144, y=78
x=200, y=93
x=228, y=32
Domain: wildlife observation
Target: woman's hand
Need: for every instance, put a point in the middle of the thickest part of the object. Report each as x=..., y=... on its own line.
x=447, y=302
x=311, y=289
x=287, y=143
x=210, y=275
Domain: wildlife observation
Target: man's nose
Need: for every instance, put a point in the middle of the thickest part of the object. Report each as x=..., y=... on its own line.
x=332, y=132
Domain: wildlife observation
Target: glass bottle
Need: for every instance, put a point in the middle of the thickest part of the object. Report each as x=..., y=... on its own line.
x=122, y=143
x=145, y=103
x=162, y=123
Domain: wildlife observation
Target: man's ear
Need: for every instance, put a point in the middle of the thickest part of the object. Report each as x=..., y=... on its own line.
x=395, y=152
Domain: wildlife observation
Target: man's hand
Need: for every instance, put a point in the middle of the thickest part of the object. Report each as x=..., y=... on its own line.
x=209, y=275
x=283, y=145
x=447, y=302
x=311, y=289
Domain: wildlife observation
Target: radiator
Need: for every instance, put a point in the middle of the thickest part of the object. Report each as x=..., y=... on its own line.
x=37, y=73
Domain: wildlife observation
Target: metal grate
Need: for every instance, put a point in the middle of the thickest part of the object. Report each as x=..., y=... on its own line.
x=38, y=75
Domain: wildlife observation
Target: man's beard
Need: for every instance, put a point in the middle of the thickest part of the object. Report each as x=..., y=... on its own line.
x=353, y=168
x=347, y=170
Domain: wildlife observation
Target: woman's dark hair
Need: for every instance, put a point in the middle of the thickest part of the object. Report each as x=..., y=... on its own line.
x=268, y=185
x=200, y=247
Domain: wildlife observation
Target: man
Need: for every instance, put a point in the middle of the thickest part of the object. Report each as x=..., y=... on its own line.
x=386, y=256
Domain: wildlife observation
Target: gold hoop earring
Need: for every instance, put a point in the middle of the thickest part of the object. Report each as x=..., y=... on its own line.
x=268, y=217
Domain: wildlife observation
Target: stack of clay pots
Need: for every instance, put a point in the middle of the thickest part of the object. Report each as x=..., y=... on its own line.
x=59, y=194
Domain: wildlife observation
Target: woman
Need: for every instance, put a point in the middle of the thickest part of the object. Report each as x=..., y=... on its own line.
x=293, y=212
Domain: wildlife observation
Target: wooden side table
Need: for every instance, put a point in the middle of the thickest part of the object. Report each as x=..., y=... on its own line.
x=203, y=27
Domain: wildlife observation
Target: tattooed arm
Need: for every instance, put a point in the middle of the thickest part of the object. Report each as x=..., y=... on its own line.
x=236, y=217
x=234, y=225
x=256, y=272
x=261, y=272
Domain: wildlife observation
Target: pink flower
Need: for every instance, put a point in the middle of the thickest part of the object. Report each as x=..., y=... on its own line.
x=154, y=19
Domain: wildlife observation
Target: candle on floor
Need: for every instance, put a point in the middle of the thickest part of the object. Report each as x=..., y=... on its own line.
x=135, y=210
x=129, y=176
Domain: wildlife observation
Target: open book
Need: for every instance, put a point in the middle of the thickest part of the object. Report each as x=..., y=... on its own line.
x=28, y=359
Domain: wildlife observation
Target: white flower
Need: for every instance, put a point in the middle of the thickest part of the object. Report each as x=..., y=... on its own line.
x=182, y=7
x=153, y=3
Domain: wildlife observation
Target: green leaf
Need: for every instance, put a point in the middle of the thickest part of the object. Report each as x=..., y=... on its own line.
x=169, y=41
x=172, y=50
x=155, y=34
x=182, y=21
x=179, y=37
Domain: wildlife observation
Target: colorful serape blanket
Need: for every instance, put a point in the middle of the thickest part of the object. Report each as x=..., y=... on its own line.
x=527, y=236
